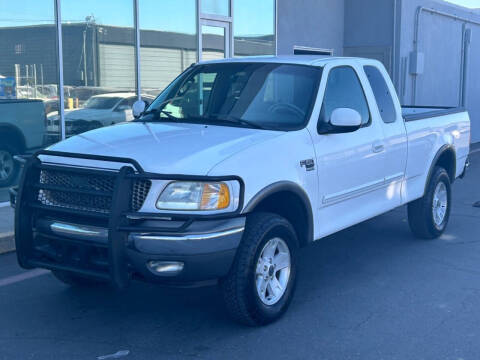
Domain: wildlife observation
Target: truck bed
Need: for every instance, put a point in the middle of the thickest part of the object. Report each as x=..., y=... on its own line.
x=412, y=113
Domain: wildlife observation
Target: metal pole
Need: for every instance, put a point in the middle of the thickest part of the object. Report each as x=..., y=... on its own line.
x=466, y=60
x=34, y=66
x=61, y=96
x=230, y=31
x=394, y=45
x=94, y=54
x=199, y=32
x=84, y=50
x=27, y=80
x=41, y=74
x=18, y=78
x=137, y=49
x=276, y=27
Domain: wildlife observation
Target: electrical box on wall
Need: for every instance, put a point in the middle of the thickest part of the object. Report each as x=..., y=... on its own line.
x=417, y=62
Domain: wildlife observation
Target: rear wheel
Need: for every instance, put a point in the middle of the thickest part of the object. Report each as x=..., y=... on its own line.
x=261, y=282
x=428, y=216
x=75, y=280
x=9, y=168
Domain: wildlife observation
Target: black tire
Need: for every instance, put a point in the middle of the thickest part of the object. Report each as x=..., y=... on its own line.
x=76, y=280
x=8, y=173
x=420, y=212
x=239, y=289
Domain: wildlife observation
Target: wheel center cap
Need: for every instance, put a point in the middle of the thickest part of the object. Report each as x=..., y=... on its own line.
x=271, y=270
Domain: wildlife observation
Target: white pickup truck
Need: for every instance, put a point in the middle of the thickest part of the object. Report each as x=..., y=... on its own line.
x=236, y=165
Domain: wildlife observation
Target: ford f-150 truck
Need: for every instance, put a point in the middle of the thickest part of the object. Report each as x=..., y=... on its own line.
x=235, y=166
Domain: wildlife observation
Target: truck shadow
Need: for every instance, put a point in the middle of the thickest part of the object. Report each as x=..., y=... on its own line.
x=345, y=280
x=326, y=268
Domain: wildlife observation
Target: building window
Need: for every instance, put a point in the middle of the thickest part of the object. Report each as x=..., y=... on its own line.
x=99, y=63
x=168, y=42
x=28, y=81
x=254, y=27
x=19, y=49
x=215, y=7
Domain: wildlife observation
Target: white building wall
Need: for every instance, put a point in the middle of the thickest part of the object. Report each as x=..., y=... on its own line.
x=441, y=41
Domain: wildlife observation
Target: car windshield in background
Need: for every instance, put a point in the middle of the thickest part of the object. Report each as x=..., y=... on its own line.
x=101, y=102
x=259, y=95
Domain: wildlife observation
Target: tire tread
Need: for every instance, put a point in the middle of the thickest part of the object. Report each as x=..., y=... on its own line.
x=235, y=285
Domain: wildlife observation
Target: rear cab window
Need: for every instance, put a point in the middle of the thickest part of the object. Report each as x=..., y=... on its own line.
x=382, y=94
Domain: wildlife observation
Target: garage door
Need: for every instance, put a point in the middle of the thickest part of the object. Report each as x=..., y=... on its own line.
x=117, y=66
x=158, y=66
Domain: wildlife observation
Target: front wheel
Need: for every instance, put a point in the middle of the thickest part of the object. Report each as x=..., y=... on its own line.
x=261, y=282
x=428, y=216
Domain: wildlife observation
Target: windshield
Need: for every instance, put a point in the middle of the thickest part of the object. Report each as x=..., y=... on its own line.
x=101, y=102
x=264, y=95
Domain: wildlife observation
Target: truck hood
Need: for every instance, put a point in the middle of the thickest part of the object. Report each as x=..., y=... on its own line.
x=165, y=148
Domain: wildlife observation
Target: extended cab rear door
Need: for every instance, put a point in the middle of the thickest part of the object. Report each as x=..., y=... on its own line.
x=386, y=107
x=350, y=165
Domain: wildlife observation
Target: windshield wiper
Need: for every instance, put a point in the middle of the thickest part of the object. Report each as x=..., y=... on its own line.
x=237, y=120
x=157, y=114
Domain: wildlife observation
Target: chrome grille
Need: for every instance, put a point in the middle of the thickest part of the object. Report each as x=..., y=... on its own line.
x=139, y=193
x=85, y=192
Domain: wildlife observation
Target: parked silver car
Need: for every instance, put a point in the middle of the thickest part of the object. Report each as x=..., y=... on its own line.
x=98, y=111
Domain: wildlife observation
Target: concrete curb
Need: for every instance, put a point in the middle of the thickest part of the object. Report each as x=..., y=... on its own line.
x=7, y=243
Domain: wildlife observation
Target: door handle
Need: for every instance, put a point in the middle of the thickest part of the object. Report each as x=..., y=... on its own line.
x=377, y=148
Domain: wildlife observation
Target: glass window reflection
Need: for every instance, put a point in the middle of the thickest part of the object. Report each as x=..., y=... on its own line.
x=28, y=82
x=213, y=42
x=99, y=63
x=254, y=27
x=168, y=42
x=216, y=7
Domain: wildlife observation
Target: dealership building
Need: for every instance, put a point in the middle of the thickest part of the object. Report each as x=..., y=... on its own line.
x=63, y=52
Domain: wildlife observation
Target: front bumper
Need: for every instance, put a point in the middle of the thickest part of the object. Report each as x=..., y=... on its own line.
x=119, y=245
x=206, y=251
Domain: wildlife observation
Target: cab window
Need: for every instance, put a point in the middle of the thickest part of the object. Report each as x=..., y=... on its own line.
x=344, y=90
x=382, y=94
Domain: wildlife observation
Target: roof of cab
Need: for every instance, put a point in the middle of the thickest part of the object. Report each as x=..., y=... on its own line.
x=312, y=60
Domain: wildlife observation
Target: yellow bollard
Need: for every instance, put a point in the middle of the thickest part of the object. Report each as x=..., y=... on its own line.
x=70, y=103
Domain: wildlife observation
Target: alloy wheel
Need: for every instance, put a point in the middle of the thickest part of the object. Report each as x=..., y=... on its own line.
x=273, y=271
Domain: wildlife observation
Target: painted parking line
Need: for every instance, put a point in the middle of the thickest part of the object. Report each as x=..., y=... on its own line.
x=22, y=277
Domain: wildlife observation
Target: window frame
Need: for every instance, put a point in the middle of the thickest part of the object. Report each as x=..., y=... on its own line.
x=364, y=67
x=369, y=122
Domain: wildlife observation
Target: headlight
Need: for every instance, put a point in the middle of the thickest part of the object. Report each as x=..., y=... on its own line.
x=180, y=195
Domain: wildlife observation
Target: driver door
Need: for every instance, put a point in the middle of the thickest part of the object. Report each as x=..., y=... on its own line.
x=351, y=165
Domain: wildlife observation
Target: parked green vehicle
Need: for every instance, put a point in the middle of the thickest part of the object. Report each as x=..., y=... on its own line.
x=22, y=130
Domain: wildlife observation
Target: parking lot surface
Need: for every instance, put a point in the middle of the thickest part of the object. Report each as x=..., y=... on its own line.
x=369, y=292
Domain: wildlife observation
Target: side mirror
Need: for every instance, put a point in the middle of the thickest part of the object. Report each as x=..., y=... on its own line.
x=138, y=108
x=342, y=120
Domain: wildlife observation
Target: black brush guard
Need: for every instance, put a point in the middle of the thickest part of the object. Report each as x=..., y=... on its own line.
x=120, y=220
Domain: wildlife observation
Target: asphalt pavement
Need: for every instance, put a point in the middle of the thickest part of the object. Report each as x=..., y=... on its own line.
x=370, y=292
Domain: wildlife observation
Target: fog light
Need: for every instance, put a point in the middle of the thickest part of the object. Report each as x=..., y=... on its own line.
x=165, y=267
